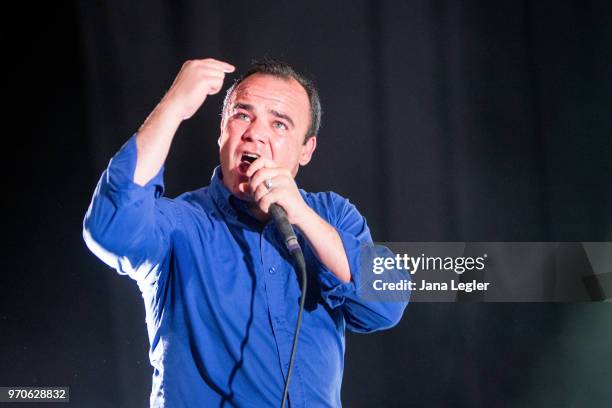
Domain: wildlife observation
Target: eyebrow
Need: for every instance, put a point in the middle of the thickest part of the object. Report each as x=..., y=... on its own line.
x=251, y=108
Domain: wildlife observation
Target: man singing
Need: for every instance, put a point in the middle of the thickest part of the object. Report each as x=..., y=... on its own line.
x=220, y=290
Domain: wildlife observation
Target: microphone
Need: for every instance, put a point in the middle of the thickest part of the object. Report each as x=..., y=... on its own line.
x=286, y=230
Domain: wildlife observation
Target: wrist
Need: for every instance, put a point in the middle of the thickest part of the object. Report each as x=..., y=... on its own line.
x=170, y=110
x=309, y=218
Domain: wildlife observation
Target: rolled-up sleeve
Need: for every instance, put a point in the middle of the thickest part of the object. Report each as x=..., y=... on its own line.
x=128, y=226
x=360, y=315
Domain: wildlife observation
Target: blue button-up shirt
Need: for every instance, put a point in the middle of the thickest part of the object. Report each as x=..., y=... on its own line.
x=221, y=294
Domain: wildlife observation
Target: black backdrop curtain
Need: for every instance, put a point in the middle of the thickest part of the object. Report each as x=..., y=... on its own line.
x=443, y=121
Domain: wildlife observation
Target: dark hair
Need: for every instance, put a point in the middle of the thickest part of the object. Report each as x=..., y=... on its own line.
x=280, y=69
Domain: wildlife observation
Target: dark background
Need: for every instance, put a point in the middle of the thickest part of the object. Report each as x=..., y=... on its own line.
x=444, y=121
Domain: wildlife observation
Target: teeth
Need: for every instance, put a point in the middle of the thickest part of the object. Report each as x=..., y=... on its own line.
x=250, y=157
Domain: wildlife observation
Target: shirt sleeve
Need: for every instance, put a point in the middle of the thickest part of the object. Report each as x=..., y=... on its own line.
x=128, y=226
x=361, y=315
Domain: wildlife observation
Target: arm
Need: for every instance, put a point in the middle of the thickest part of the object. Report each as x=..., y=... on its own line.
x=127, y=224
x=363, y=312
x=326, y=244
x=322, y=237
x=196, y=80
x=337, y=242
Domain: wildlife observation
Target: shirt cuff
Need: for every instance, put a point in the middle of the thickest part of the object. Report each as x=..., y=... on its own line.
x=119, y=176
x=333, y=290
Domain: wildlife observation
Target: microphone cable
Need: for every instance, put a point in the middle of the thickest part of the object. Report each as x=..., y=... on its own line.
x=291, y=242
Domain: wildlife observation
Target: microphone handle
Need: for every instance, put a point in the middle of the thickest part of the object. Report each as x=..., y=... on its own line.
x=286, y=230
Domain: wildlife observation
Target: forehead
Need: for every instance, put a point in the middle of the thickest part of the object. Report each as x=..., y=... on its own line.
x=269, y=91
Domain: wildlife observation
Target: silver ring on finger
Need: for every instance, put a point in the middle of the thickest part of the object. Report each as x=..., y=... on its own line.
x=268, y=184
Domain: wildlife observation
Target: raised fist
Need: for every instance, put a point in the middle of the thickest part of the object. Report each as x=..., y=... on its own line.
x=196, y=80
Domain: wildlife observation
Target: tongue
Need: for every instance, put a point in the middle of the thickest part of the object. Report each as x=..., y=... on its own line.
x=243, y=166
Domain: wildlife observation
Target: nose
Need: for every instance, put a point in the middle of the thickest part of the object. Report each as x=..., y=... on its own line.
x=256, y=132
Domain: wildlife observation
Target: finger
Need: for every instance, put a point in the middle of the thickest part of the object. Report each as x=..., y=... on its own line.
x=255, y=166
x=262, y=189
x=272, y=197
x=214, y=85
x=211, y=72
x=258, y=164
x=279, y=173
x=262, y=175
x=214, y=89
x=244, y=188
x=222, y=65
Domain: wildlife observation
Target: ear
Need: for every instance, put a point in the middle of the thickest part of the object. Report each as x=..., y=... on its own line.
x=308, y=149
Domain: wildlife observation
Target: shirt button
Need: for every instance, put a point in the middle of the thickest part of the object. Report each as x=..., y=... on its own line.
x=272, y=271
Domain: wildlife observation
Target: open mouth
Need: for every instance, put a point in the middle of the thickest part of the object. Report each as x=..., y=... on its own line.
x=249, y=157
x=245, y=161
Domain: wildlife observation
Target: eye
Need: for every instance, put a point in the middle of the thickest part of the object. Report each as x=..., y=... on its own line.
x=242, y=116
x=279, y=125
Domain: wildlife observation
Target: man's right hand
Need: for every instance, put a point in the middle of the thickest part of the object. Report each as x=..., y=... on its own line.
x=196, y=80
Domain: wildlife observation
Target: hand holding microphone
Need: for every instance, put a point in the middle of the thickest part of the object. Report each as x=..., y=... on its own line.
x=274, y=189
x=270, y=184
